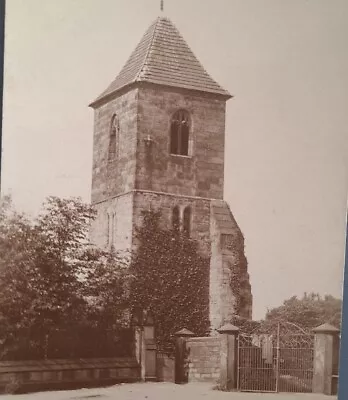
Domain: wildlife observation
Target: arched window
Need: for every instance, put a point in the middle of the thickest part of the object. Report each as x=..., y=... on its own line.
x=187, y=221
x=179, y=133
x=113, y=138
x=176, y=218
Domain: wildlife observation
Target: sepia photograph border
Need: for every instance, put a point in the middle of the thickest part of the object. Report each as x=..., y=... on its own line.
x=343, y=383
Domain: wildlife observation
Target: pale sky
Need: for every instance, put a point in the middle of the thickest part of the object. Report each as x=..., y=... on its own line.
x=286, y=63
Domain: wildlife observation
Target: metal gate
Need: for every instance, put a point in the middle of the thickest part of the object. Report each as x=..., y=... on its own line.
x=276, y=360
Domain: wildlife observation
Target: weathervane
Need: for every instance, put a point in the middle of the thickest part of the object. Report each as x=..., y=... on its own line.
x=162, y=5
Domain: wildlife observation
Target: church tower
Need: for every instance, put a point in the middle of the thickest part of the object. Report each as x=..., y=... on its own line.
x=159, y=133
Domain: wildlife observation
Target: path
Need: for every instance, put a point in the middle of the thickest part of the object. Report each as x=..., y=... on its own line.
x=160, y=391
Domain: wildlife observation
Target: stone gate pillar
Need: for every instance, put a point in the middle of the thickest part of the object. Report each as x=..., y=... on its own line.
x=325, y=340
x=180, y=355
x=228, y=356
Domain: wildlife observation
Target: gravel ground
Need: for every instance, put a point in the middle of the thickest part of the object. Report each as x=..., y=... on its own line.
x=160, y=391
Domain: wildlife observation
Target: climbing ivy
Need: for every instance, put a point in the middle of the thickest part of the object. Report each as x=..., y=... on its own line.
x=238, y=271
x=171, y=279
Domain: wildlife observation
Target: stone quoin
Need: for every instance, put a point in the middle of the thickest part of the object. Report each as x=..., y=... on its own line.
x=159, y=138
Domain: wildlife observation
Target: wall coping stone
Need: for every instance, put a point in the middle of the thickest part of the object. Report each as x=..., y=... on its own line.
x=326, y=328
x=184, y=333
x=66, y=364
x=204, y=339
x=228, y=329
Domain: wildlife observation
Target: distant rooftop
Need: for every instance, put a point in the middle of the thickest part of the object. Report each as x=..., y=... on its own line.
x=163, y=57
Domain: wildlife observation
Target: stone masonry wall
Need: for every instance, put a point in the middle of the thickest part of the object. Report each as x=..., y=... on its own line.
x=215, y=282
x=64, y=374
x=122, y=209
x=205, y=228
x=199, y=174
x=145, y=175
x=222, y=296
x=110, y=179
x=200, y=208
x=203, y=359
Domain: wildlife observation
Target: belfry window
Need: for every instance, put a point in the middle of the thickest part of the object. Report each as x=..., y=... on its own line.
x=179, y=133
x=176, y=218
x=187, y=221
x=113, y=138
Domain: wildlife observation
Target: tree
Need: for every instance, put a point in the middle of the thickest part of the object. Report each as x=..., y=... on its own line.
x=309, y=311
x=49, y=272
x=40, y=265
x=107, y=288
x=14, y=248
x=171, y=279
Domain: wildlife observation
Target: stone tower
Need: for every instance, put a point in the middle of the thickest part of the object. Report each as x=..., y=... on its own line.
x=159, y=132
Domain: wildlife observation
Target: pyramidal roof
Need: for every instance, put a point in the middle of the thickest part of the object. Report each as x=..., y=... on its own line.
x=163, y=57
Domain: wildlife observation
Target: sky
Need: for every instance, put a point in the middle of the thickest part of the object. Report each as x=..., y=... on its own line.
x=286, y=167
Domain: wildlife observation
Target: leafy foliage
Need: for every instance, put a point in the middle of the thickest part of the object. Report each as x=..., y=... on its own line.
x=51, y=277
x=106, y=285
x=309, y=311
x=238, y=277
x=171, y=279
x=39, y=273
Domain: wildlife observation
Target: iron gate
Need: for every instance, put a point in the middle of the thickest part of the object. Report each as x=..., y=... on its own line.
x=275, y=361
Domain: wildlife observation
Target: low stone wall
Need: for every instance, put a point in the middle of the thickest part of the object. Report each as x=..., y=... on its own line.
x=25, y=376
x=203, y=359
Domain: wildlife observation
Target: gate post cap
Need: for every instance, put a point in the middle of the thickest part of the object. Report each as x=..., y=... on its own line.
x=184, y=333
x=228, y=329
x=326, y=328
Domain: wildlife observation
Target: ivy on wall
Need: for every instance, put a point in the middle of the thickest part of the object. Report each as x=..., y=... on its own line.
x=171, y=278
x=238, y=272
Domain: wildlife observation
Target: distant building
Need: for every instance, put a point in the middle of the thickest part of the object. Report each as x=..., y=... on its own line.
x=159, y=135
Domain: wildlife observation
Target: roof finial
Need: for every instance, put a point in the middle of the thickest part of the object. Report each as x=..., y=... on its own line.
x=162, y=5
